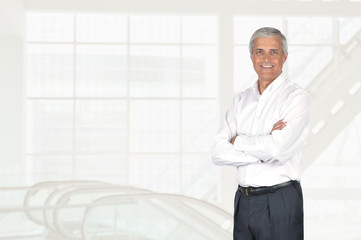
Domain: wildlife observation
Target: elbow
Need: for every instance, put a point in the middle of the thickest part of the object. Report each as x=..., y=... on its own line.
x=216, y=161
x=218, y=156
x=215, y=158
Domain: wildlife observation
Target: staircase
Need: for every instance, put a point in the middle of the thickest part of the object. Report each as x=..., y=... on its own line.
x=336, y=98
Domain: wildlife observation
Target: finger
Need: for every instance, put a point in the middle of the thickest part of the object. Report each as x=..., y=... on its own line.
x=278, y=128
x=278, y=125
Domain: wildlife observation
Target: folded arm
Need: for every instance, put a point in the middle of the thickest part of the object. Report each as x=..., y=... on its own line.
x=280, y=145
x=223, y=151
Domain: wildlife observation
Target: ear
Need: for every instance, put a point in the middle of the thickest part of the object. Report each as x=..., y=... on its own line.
x=285, y=57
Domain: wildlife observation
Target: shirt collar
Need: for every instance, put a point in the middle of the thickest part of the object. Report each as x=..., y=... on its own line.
x=272, y=87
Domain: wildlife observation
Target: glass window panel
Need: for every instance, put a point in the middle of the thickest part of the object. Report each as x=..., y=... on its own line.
x=101, y=71
x=305, y=63
x=309, y=30
x=244, y=74
x=200, y=71
x=348, y=28
x=199, y=124
x=105, y=168
x=154, y=71
x=154, y=126
x=49, y=168
x=244, y=27
x=49, y=27
x=155, y=172
x=50, y=70
x=101, y=126
x=101, y=28
x=199, y=29
x=152, y=29
x=49, y=126
x=199, y=175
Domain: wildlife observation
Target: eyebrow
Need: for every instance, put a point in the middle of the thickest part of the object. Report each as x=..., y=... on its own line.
x=272, y=49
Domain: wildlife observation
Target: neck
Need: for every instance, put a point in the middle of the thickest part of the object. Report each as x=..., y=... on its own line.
x=262, y=85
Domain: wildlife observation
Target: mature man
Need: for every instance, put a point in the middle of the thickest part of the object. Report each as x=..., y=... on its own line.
x=262, y=136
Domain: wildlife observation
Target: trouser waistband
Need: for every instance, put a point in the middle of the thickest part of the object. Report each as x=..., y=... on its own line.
x=252, y=191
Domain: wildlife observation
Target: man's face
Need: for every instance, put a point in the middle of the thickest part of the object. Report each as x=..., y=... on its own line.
x=268, y=58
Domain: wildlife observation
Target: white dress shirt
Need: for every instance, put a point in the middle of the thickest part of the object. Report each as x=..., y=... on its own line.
x=261, y=158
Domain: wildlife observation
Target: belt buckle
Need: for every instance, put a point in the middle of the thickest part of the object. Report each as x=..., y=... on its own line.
x=247, y=192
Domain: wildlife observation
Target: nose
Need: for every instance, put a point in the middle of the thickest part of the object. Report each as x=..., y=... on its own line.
x=266, y=57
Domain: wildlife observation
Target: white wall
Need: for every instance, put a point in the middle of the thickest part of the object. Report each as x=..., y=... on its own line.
x=11, y=82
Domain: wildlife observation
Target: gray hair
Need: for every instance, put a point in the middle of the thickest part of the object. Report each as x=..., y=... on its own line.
x=266, y=32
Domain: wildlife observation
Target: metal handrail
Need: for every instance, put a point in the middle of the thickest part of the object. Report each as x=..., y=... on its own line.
x=114, y=199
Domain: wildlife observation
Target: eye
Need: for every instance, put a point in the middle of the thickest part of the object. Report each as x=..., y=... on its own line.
x=258, y=52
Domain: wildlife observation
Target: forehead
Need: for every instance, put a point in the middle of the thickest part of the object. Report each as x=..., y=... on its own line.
x=274, y=42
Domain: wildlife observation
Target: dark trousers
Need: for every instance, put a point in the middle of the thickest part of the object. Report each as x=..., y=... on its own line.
x=270, y=216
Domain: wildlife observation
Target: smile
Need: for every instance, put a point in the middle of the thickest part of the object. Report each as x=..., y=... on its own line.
x=266, y=66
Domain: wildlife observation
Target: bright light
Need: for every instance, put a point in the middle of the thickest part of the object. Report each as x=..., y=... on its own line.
x=337, y=107
x=318, y=127
x=354, y=88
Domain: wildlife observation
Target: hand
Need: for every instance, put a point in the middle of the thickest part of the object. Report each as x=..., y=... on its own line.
x=279, y=125
x=233, y=139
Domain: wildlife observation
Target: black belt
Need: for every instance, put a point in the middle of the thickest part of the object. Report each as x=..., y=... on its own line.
x=251, y=191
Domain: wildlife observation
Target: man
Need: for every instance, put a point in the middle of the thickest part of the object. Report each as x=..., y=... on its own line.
x=262, y=136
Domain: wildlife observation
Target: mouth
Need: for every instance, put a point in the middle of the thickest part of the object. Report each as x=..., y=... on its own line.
x=267, y=66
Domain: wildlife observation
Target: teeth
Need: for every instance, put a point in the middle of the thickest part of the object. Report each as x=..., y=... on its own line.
x=267, y=66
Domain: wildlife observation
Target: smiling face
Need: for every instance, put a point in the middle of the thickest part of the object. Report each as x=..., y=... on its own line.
x=268, y=58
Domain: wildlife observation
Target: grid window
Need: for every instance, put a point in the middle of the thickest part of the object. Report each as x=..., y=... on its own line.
x=101, y=126
x=199, y=119
x=49, y=126
x=154, y=71
x=200, y=73
x=101, y=71
x=197, y=29
x=50, y=27
x=122, y=98
x=154, y=126
x=47, y=168
x=154, y=29
x=197, y=175
x=101, y=28
x=97, y=168
x=156, y=172
x=50, y=70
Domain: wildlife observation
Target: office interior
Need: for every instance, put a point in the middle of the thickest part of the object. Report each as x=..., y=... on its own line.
x=109, y=108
